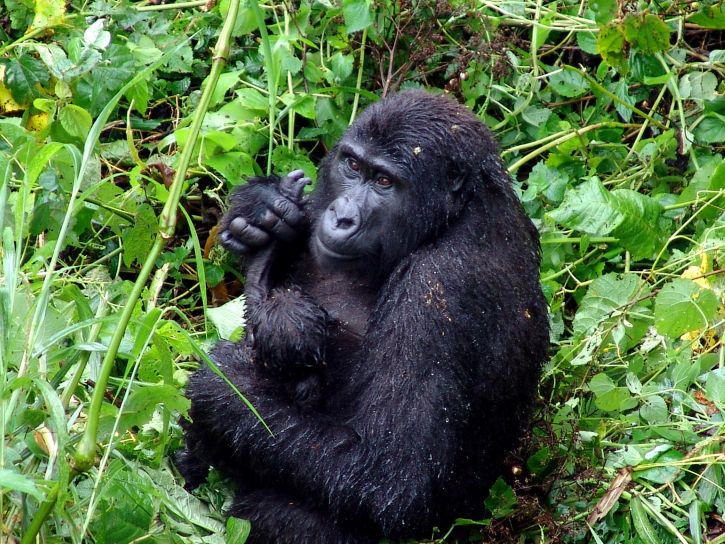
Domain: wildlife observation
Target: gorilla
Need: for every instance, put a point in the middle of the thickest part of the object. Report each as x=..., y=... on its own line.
x=396, y=330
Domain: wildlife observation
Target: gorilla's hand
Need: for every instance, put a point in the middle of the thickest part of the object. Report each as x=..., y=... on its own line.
x=262, y=211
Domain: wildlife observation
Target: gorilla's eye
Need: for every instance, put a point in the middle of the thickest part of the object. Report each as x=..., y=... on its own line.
x=384, y=181
x=353, y=164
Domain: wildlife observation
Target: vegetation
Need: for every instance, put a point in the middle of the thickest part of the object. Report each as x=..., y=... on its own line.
x=125, y=124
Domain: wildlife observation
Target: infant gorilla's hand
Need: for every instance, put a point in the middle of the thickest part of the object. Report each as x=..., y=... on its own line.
x=261, y=212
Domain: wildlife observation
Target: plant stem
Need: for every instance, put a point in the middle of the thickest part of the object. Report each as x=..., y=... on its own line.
x=358, y=83
x=45, y=508
x=85, y=452
x=178, y=5
x=271, y=77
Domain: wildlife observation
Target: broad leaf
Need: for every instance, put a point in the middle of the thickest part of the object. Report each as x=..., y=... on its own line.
x=357, y=15
x=24, y=76
x=683, y=306
x=606, y=298
x=648, y=33
x=228, y=319
x=138, y=239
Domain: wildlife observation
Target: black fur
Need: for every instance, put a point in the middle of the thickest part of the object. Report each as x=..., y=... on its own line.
x=423, y=355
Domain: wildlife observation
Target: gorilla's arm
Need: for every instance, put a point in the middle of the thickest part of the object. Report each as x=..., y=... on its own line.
x=286, y=326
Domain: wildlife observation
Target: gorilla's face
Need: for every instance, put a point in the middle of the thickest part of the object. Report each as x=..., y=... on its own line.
x=373, y=214
x=367, y=195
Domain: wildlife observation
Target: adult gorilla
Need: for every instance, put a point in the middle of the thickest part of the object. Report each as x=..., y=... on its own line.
x=397, y=330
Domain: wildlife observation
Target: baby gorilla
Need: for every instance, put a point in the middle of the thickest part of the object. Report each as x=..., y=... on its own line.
x=397, y=329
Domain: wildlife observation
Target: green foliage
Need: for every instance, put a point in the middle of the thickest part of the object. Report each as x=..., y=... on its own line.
x=611, y=117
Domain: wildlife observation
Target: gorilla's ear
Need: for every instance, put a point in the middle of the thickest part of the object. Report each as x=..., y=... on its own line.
x=457, y=177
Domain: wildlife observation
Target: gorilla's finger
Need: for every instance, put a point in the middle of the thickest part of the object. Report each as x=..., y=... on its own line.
x=248, y=234
x=232, y=244
x=278, y=227
x=288, y=211
x=293, y=183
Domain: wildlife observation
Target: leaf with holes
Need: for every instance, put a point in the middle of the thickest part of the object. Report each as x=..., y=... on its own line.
x=648, y=33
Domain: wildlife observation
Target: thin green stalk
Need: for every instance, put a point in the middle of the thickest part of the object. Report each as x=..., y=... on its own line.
x=43, y=512
x=599, y=87
x=544, y=148
x=32, y=34
x=358, y=83
x=85, y=451
x=81, y=366
x=178, y=5
x=271, y=77
x=577, y=240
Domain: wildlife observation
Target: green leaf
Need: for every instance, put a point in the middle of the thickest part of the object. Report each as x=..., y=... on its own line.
x=226, y=81
x=642, y=525
x=607, y=297
x=666, y=473
x=711, y=130
x=24, y=76
x=246, y=20
x=48, y=13
x=143, y=401
x=253, y=100
x=709, y=16
x=643, y=229
x=228, y=319
x=608, y=397
x=621, y=89
x=683, y=306
x=540, y=461
x=568, y=83
x=285, y=160
x=94, y=36
x=341, y=66
x=715, y=386
x=611, y=46
x=648, y=33
x=601, y=384
x=234, y=165
x=604, y=10
x=501, y=500
x=76, y=121
x=654, y=410
x=357, y=15
x=302, y=104
x=127, y=508
x=237, y=530
x=12, y=480
x=140, y=94
x=698, y=86
x=588, y=208
x=634, y=218
x=140, y=237
x=21, y=13
x=587, y=42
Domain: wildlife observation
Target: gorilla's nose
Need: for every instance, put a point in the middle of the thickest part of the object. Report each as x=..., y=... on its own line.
x=343, y=217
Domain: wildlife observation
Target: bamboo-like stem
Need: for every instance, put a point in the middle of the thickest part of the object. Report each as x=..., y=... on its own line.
x=272, y=73
x=178, y=5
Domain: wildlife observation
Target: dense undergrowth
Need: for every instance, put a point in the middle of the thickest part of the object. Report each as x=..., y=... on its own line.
x=114, y=167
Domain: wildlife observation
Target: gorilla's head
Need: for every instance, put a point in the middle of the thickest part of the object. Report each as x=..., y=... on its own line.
x=401, y=173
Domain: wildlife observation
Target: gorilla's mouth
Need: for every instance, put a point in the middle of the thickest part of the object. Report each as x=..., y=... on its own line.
x=328, y=253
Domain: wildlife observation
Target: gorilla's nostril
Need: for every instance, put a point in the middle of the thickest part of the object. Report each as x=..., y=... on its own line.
x=344, y=223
